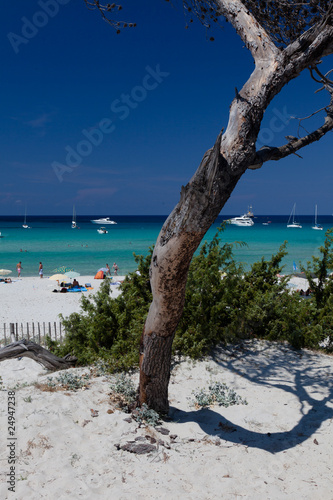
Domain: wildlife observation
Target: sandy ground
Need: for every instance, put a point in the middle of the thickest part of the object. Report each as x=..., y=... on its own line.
x=277, y=446
x=32, y=299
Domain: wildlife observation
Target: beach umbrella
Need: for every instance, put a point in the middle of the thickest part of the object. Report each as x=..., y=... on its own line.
x=72, y=274
x=63, y=270
x=58, y=277
x=3, y=272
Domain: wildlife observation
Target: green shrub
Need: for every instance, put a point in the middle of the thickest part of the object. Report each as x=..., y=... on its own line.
x=110, y=329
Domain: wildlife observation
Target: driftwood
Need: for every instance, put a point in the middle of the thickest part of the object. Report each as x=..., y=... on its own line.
x=37, y=353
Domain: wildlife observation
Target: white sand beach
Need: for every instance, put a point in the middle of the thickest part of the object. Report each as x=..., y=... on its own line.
x=277, y=446
x=33, y=300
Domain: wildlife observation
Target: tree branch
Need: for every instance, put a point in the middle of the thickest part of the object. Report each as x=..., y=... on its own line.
x=248, y=28
x=37, y=353
x=267, y=153
x=107, y=10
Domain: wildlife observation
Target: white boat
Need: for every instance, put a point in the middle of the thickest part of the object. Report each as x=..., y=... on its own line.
x=242, y=220
x=103, y=220
x=316, y=225
x=291, y=221
x=74, y=225
x=25, y=225
x=102, y=230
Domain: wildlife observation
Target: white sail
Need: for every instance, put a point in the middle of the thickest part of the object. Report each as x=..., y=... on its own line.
x=317, y=226
x=292, y=221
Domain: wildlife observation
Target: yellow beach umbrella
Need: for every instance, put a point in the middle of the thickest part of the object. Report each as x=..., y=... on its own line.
x=58, y=277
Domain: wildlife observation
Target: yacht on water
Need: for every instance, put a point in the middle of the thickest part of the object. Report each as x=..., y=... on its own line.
x=242, y=220
x=103, y=220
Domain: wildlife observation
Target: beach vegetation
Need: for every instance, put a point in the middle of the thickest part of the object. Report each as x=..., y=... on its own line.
x=217, y=393
x=146, y=416
x=66, y=381
x=124, y=396
x=124, y=386
x=108, y=329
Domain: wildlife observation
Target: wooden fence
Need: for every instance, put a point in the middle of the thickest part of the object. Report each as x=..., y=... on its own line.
x=37, y=332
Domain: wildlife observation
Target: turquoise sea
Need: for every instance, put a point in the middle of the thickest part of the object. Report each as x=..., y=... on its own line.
x=51, y=240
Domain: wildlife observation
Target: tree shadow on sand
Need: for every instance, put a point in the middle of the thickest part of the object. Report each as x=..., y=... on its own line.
x=302, y=374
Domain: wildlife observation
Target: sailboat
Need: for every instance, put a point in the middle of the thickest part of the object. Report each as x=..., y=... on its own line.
x=292, y=222
x=25, y=225
x=74, y=225
x=316, y=225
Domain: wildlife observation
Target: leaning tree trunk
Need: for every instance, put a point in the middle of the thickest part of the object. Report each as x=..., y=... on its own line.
x=205, y=195
x=200, y=203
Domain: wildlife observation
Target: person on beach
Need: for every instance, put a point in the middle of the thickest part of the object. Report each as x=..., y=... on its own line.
x=115, y=267
x=19, y=268
x=40, y=271
x=108, y=269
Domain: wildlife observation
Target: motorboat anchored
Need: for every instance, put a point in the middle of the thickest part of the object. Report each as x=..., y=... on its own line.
x=103, y=220
x=242, y=220
x=102, y=230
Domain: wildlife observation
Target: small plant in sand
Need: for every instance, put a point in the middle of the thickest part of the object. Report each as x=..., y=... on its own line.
x=146, y=416
x=18, y=386
x=123, y=391
x=124, y=396
x=28, y=399
x=69, y=381
x=217, y=393
x=100, y=367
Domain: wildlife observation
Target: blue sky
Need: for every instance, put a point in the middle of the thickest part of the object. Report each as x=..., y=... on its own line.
x=115, y=124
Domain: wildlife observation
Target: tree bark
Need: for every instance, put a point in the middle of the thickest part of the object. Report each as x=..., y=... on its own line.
x=200, y=204
x=37, y=353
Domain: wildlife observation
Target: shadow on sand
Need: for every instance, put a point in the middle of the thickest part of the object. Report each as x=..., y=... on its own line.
x=301, y=374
